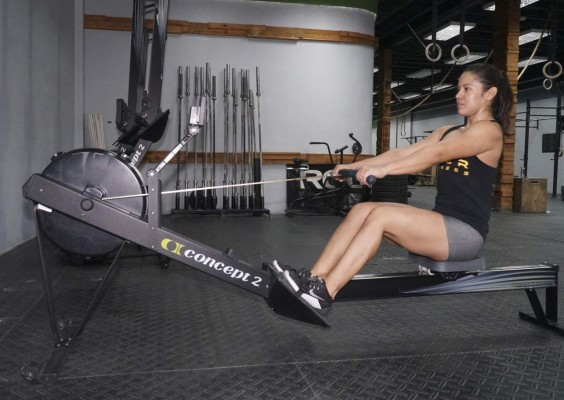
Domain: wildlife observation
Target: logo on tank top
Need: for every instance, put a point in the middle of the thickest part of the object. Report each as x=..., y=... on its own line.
x=460, y=166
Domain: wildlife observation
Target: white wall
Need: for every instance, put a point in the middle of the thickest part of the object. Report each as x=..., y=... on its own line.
x=38, y=99
x=311, y=91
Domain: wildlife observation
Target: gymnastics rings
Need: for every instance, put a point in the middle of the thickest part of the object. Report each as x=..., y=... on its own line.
x=428, y=52
x=464, y=57
x=553, y=76
x=547, y=83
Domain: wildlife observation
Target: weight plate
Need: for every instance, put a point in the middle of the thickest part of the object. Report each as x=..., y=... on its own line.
x=383, y=182
x=394, y=178
x=388, y=189
x=389, y=195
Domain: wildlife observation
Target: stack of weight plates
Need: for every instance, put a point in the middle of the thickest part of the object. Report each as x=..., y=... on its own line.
x=391, y=189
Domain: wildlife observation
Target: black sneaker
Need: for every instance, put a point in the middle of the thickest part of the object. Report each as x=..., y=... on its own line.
x=312, y=290
x=301, y=274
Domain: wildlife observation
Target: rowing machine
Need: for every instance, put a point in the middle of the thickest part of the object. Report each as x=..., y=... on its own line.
x=75, y=187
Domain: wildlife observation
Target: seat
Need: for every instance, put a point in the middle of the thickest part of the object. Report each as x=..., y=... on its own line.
x=475, y=264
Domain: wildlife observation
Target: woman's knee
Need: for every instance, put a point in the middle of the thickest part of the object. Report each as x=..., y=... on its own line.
x=387, y=217
x=362, y=209
x=381, y=212
x=371, y=212
x=369, y=206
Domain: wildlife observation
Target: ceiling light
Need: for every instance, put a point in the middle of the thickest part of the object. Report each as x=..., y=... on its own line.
x=408, y=96
x=396, y=84
x=535, y=60
x=451, y=30
x=471, y=58
x=531, y=35
x=438, y=87
x=423, y=73
x=524, y=3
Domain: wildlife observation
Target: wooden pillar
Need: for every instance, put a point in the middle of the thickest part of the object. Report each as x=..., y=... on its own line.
x=384, y=108
x=506, y=57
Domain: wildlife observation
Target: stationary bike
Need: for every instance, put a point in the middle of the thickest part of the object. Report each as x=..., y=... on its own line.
x=325, y=195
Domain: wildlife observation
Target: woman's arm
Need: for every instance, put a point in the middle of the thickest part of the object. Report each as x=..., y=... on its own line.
x=483, y=138
x=394, y=154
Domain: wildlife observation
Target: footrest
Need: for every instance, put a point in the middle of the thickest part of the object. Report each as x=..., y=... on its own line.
x=475, y=264
x=284, y=301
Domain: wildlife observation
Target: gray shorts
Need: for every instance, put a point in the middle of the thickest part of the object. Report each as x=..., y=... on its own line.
x=464, y=242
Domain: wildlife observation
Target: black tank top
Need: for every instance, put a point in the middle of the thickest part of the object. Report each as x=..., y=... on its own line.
x=464, y=190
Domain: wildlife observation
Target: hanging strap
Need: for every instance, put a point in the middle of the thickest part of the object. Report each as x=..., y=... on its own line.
x=554, y=28
x=434, y=18
x=552, y=75
x=462, y=22
x=433, y=45
x=461, y=37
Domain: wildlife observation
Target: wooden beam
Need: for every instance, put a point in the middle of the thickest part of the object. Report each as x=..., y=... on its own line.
x=506, y=57
x=270, y=158
x=250, y=31
x=384, y=109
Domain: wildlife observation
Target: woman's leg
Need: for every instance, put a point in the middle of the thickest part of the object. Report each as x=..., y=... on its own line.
x=343, y=235
x=419, y=231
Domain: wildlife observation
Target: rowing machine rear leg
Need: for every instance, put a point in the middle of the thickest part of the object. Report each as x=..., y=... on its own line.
x=551, y=304
x=548, y=318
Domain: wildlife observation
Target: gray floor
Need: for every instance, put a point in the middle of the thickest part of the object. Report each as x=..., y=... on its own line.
x=181, y=334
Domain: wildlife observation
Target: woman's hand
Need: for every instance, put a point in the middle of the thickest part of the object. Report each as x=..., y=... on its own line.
x=363, y=173
x=335, y=173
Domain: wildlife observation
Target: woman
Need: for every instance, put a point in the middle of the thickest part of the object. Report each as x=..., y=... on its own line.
x=457, y=226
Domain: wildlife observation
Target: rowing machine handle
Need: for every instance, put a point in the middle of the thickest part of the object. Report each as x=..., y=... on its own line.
x=351, y=173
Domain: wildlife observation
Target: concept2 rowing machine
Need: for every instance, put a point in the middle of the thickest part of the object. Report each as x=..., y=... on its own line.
x=78, y=198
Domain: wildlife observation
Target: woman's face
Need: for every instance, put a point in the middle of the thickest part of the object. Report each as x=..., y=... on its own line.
x=471, y=97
